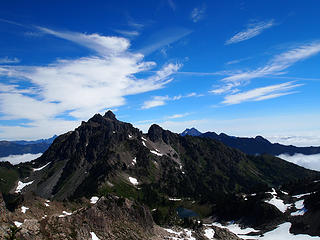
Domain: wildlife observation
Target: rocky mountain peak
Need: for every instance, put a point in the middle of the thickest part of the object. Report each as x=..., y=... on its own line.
x=191, y=132
x=155, y=132
x=110, y=115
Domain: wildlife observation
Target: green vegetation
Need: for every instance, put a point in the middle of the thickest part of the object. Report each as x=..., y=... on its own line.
x=12, y=233
x=8, y=177
x=120, y=189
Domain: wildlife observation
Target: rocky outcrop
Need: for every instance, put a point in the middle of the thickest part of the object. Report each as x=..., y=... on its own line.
x=110, y=218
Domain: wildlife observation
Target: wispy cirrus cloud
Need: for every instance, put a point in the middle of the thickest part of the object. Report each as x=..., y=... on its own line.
x=164, y=38
x=7, y=60
x=262, y=93
x=252, y=30
x=198, y=13
x=157, y=101
x=275, y=67
x=127, y=33
x=237, y=61
x=67, y=91
x=172, y=5
x=175, y=116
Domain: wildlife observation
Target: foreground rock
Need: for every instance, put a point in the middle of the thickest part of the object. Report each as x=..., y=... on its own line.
x=110, y=218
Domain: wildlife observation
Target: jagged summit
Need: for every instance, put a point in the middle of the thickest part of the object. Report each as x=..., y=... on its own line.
x=110, y=115
x=191, y=132
x=104, y=150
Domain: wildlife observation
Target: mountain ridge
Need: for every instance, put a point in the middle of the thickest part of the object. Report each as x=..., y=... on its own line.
x=103, y=148
x=258, y=145
x=22, y=147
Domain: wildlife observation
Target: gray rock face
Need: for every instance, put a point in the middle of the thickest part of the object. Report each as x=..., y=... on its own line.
x=110, y=218
x=224, y=234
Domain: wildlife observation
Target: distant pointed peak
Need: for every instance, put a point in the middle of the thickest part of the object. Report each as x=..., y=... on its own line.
x=192, y=132
x=110, y=115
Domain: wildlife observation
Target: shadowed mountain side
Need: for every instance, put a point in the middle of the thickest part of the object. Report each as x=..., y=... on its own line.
x=104, y=153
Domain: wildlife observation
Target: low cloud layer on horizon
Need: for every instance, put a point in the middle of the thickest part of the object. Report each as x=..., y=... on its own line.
x=16, y=159
x=306, y=161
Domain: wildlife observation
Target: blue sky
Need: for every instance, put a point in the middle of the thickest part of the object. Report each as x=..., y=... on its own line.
x=245, y=68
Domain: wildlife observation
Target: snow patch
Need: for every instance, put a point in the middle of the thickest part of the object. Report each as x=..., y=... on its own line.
x=21, y=185
x=234, y=227
x=186, y=234
x=144, y=144
x=299, y=204
x=209, y=233
x=156, y=153
x=134, y=161
x=144, y=139
x=40, y=168
x=175, y=199
x=64, y=213
x=302, y=195
x=282, y=232
x=18, y=224
x=94, y=200
x=46, y=204
x=24, y=209
x=299, y=212
x=94, y=236
x=134, y=181
x=278, y=203
x=129, y=136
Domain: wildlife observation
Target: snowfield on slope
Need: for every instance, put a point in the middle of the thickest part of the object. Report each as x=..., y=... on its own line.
x=21, y=185
x=278, y=203
x=40, y=168
x=134, y=181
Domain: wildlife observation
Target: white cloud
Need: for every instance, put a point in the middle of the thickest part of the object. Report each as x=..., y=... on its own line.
x=155, y=102
x=128, y=33
x=237, y=61
x=174, y=116
x=262, y=93
x=252, y=30
x=162, y=100
x=273, y=68
x=16, y=159
x=79, y=87
x=104, y=45
x=7, y=60
x=198, y=13
x=299, y=141
x=307, y=161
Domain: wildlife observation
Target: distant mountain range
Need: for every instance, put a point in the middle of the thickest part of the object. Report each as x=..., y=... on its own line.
x=257, y=145
x=21, y=147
